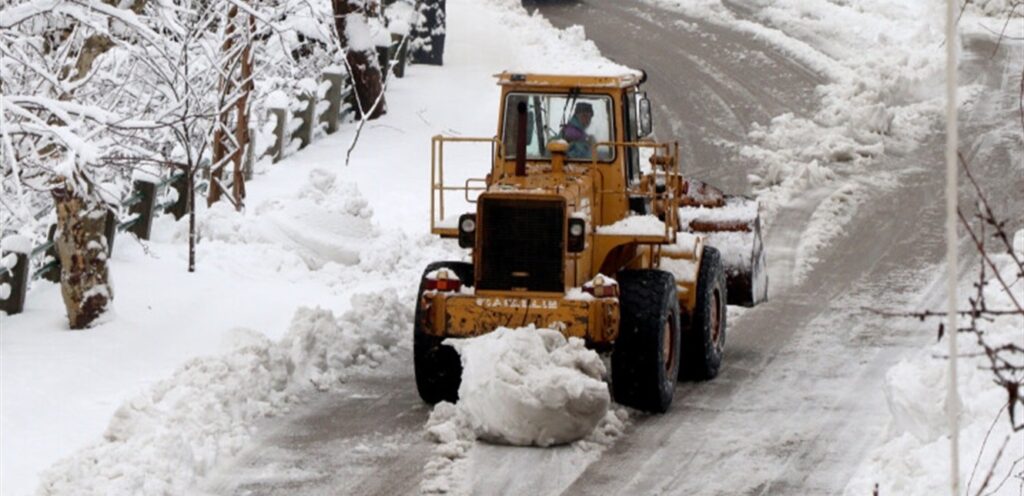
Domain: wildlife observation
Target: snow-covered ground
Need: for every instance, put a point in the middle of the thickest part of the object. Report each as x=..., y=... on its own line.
x=914, y=459
x=130, y=402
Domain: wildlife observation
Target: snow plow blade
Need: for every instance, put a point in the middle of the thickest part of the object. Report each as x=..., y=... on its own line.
x=732, y=224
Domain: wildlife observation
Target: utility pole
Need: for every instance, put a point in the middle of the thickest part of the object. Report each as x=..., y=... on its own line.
x=952, y=143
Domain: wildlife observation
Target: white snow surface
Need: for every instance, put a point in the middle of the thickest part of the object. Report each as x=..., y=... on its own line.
x=16, y=243
x=531, y=386
x=913, y=460
x=545, y=50
x=635, y=225
x=313, y=234
x=734, y=210
x=163, y=440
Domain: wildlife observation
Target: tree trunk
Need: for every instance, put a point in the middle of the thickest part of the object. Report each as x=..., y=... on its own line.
x=427, y=44
x=361, y=54
x=82, y=249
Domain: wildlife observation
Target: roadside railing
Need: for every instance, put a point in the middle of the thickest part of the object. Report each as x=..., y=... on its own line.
x=293, y=126
x=21, y=263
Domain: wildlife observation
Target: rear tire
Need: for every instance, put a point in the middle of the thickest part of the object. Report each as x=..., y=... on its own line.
x=704, y=339
x=438, y=366
x=645, y=357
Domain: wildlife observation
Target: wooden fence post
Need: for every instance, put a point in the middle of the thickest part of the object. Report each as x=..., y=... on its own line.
x=143, y=208
x=384, y=60
x=14, y=269
x=109, y=230
x=51, y=274
x=249, y=162
x=307, y=115
x=398, y=48
x=281, y=115
x=180, y=206
x=332, y=116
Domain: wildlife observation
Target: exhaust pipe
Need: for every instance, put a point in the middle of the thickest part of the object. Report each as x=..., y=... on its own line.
x=521, y=139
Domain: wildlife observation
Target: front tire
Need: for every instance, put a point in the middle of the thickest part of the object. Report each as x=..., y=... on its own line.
x=438, y=366
x=704, y=340
x=645, y=357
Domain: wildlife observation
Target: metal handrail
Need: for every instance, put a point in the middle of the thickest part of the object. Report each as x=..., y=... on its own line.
x=670, y=170
x=437, y=186
x=128, y=202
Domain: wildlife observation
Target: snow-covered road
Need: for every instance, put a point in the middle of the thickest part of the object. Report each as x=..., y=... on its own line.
x=799, y=401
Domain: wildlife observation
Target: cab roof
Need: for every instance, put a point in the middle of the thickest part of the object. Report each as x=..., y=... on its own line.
x=624, y=80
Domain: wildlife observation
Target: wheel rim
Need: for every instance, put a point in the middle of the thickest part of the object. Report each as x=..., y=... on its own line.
x=668, y=342
x=716, y=320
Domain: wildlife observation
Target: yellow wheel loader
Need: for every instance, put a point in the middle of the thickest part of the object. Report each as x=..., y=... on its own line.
x=585, y=225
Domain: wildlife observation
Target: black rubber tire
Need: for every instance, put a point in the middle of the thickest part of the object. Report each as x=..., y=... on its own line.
x=438, y=366
x=640, y=377
x=702, y=353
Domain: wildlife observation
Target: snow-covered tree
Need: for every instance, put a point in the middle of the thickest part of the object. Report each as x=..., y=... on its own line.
x=358, y=28
x=427, y=43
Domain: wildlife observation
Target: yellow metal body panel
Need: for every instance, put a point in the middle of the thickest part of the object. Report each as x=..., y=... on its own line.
x=461, y=315
x=532, y=81
x=682, y=259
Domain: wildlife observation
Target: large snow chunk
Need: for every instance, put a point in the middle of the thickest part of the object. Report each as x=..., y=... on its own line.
x=531, y=386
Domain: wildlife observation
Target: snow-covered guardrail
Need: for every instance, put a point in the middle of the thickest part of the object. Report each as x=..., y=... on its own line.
x=293, y=123
x=17, y=253
x=318, y=108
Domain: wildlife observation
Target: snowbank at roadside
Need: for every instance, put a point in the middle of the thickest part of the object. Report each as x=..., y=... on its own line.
x=914, y=460
x=314, y=242
x=165, y=439
x=324, y=221
x=523, y=386
x=539, y=47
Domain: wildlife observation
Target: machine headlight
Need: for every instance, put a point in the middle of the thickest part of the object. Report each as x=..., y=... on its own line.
x=576, y=229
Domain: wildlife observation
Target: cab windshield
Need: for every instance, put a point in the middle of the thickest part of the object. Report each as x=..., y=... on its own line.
x=581, y=120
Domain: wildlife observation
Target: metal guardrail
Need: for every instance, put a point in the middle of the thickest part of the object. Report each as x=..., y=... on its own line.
x=143, y=205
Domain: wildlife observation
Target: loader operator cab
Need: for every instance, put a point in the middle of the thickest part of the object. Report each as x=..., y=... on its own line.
x=581, y=120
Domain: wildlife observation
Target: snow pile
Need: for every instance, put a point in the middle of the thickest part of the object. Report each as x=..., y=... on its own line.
x=635, y=225
x=531, y=386
x=736, y=210
x=915, y=458
x=451, y=428
x=326, y=221
x=322, y=348
x=164, y=440
x=528, y=387
x=682, y=268
x=16, y=243
x=541, y=48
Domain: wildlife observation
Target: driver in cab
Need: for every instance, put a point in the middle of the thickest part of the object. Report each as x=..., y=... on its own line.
x=575, y=131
